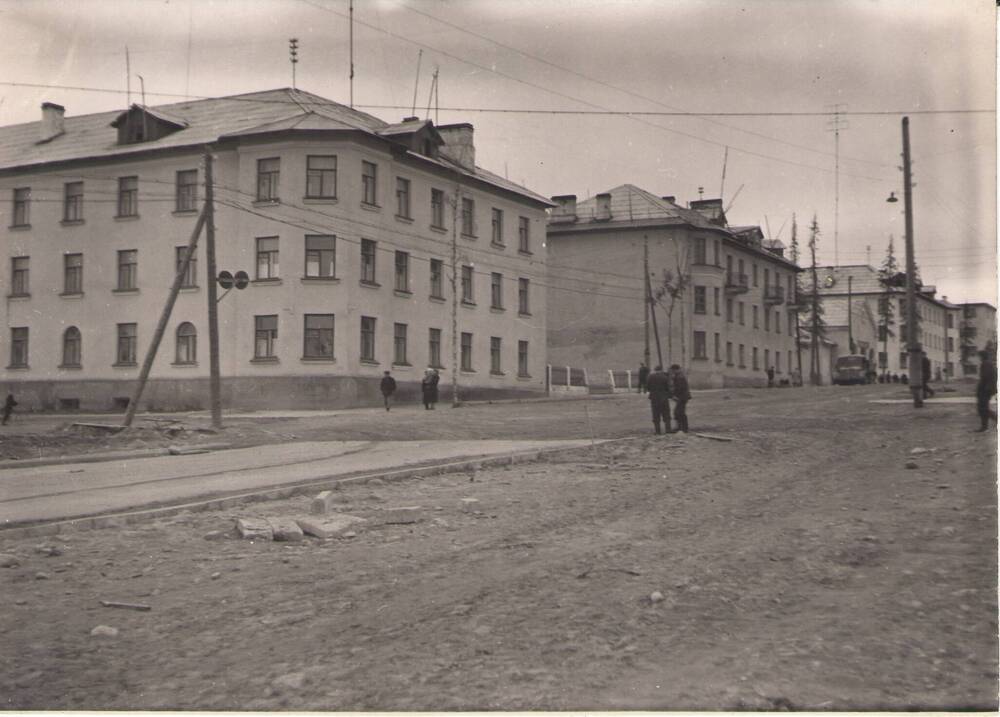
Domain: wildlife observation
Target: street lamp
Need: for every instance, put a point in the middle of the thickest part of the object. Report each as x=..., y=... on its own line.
x=912, y=345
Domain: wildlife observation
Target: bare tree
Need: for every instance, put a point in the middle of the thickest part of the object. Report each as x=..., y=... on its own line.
x=672, y=288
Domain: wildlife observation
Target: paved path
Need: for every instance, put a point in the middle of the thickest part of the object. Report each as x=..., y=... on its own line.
x=79, y=489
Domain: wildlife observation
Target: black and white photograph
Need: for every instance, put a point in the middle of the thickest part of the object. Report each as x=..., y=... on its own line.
x=498, y=355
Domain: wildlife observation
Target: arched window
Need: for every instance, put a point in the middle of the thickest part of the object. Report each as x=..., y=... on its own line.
x=187, y=343
x=71, y=347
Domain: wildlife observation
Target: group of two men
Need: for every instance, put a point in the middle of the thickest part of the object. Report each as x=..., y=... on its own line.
x=663, y=386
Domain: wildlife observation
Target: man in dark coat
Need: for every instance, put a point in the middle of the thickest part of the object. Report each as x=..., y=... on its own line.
x=643, y=377
x=8, y=407
x=429, y=388
x=770, y=376
x=388, y=386
x=681, y=394
x=658, y=385
x=925, y=375
x=985, y=390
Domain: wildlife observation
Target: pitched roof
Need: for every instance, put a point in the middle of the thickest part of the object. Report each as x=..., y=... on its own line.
x=835, y=312
x=632, y=204
x=864, y=279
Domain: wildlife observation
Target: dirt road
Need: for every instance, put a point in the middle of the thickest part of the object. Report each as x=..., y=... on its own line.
x=801, y=566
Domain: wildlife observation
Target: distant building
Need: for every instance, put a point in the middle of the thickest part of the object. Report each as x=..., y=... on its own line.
x=730, y=321
x=346, y=224
x=977, y=332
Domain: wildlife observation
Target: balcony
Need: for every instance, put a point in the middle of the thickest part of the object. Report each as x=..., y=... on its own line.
x=968, y=332
x=737, y=283
x=774, y=295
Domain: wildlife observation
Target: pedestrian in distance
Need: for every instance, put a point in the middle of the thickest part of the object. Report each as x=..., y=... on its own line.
x=985, y=390
x=925, y=375
x=429, y=388
x=8, y=407
x=681, y=394
x=770, y=376
x=658, y=385
x=388, y=386
x=643, y=377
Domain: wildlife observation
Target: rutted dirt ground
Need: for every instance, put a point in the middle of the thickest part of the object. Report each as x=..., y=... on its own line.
x=800, y=566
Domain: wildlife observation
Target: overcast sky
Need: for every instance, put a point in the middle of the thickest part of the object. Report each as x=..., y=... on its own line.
x=696, y=56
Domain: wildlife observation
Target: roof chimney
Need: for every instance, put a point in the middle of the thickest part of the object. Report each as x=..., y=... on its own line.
x=603, y=211
x=670, y=198
x=458, y=145
x=52, y=121
x=565, y=209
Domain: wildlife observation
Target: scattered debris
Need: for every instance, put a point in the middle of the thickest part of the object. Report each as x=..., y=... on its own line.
x=104, y=427
x=711, y=437
x=403, y=515
x=215, y=576
x=126, y=606
x=214, y=535
x=48, y=550
x=41, y=576
x=254, y=529
x=656, y=596
x=328, y=526
x=918, y=450
x=322, y=503
x=8, y=561
x=469, y=504
x=912, y=464
x=104, y=631
x=285, y=529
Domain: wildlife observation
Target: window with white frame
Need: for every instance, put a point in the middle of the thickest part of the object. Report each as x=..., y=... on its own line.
x=128, y=196
x=495, y=355
x=20, y=281
x=72, y=348
x=19, y=347
x=369, y=177
x=21, y=216
x=321, y=176
x=190, y=280
x=267, y=258
x=128, y=270
x=268, y=173
x=317, y=336
x=399, y=344
x=368, y=338
x=128, y=338
x=321, y=256
x=367, y=261
x=186, y=344
x=186, y=192
x=265, y=342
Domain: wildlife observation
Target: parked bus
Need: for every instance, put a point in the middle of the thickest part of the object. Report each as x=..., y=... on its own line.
x=852, y=368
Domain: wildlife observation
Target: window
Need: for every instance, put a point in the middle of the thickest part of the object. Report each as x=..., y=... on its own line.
x=883, y=359
x=434, y=348
x=265, y=336
x=903, y=359
x=743, y=362
x=403, y=198
x=317, y=336
x=729, y=310
x=21, y=216
x=789, y=361
x=777, y=361
x=128, y=270
x=700, y=350
x=495, y=367
x=73, y=273
x=468, y=217
x=753, y=352
x=268, y=171
x=715, y=249
x=767, y=358
x=715, y=299
x=742, y=267
x=367, y=261
x=523, y=298
x=321, y=176
x=190, y=279
x=73, y=202
x=718, y=348
x=368, y=183
x=756, y=317
x=742, y=314
x=321, y=256
x=128, y=196
x=267, y=258
x=700, y=300
x=767, y=279
x=466, y=353
x=72, y=353
x=767, y=319
x=399, y=345
x=186, y=195
x=522, y=359
x=187, y=344
x=402, y=271
x=437, y=208
x=367, y=338
x=19, y=347
x=496, y=291
x=754, y=272
x=729, y=353
x=19, y=276
x=523, y=235
x=437, y=278
x=467, y=295
x=127, y=344
x=729, y=265
x=699, y=250
x=497, y=227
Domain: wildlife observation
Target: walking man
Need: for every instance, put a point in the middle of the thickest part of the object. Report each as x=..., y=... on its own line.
x=925, y=374
x=681, y=395
x=985, y=390
x=8, y=407
x=770, y=376
x=429, y=388
x=643, y=377
x=658, y=385
x=388, y=386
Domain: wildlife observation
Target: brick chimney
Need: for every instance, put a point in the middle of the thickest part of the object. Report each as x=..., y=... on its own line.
x=52, y=121
x=565, y=209
x=670, y=198
x=603, y=211
x=458, y=145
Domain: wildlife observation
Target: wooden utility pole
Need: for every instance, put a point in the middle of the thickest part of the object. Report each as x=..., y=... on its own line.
x=454, y=296
x=161, y=325
x=652, y=312
x=913, y=345
x=850, y=324
x=213, y=302
x=646, y=302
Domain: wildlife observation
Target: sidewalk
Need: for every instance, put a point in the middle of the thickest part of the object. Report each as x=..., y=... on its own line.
x=57, y=492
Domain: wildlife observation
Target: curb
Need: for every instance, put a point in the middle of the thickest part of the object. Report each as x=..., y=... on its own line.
x=117, y=520
x=111, y=456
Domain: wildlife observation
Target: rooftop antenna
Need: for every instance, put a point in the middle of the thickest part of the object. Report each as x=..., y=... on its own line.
x=142, y=85
x=767, y=223
x=351, y=30
x=431, y=94
x=725, y=160
x=701, y=192
x=835, y=125
x=293, y=52
x=187, y=76
x=416, y=84
x=128, y=79
x=733, y=200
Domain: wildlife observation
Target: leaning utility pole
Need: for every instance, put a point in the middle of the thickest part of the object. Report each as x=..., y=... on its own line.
x=850, y=332
x=913, y=345
x=213, y=302
x=656, y=330
x=646, y=302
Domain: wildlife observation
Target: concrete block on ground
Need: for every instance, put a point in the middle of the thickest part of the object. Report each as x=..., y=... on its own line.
x=403, y=515
x=469, y=505
x=254, y=529
x=285, y=529
x=330, y=525
x=322, y=503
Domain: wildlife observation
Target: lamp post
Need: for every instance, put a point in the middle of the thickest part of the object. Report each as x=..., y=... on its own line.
x=912, y=344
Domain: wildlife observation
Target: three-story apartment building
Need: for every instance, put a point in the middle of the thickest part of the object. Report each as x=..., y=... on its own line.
x=369, y=246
